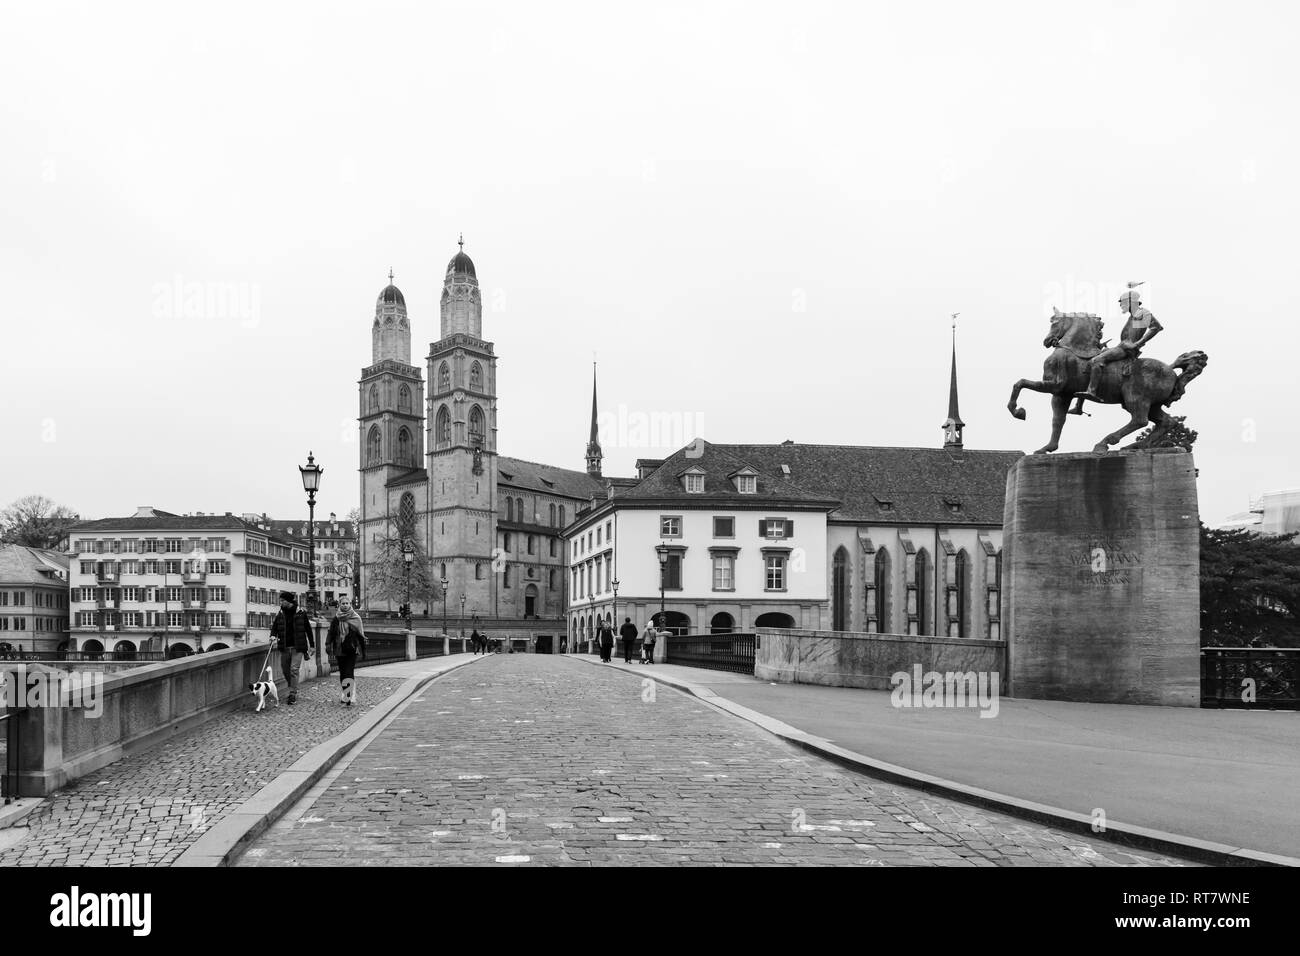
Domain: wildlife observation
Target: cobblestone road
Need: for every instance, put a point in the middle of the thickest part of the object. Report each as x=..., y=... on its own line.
x=525, y=759
x=146, y=809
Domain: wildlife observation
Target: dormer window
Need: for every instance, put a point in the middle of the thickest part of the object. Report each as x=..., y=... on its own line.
x=883, y=503
x=695, y=484
x=954, y=505
x=746, y=480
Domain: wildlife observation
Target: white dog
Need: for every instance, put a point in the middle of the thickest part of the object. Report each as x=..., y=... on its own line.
x=262, y=688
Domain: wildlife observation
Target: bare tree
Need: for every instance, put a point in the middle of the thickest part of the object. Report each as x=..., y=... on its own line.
x=37, y=522
x=386, y=578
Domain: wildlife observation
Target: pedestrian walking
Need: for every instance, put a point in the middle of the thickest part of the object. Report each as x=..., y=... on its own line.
x=476, y=641
x=348, y=639
x=648, y=644
x=628, y=633
x=291, y=632
x=606, y=634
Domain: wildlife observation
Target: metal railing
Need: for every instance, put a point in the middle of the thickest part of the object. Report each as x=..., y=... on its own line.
x=720, y=652
x=388, y=648
x=1259, y=678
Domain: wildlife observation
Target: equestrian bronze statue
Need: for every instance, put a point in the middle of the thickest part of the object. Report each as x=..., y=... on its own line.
x=1080, y=367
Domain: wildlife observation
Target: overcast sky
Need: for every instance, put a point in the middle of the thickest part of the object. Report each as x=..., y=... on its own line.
x=757, y=216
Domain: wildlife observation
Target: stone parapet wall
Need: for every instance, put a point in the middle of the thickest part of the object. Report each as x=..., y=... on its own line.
x=137, y=708
x=850, y=659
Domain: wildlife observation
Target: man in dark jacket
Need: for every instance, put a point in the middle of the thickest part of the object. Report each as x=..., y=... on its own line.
x=291, y=631
x=628, y=633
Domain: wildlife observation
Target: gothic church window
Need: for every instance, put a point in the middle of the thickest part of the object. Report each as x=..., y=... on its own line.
x=840, y=590
x=374, y=447
x=922, y=588
x=882, y=592
x=510, y=509
x=442, y=429
x=476, y=376
x=404, y=400
x=374, y=399
x=444, y=377
x=404, y=447
x=406, y=516
x=476, y=425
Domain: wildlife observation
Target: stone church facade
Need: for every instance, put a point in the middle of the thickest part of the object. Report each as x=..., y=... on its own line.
x=431, y=470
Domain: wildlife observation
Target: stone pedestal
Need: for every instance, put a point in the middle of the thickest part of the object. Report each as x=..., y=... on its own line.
x=1101, y=571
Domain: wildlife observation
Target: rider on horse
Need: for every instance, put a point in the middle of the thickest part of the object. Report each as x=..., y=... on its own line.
x=1140, y=329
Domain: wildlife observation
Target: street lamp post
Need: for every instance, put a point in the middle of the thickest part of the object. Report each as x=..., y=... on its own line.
x=443, y=582
x=462, y=622
x=311, y=473
x=614, y=623
x=408, y=555
x=662, y=551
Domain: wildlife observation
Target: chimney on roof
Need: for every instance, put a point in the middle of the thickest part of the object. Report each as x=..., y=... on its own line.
x=229, y=515
x=143, y=511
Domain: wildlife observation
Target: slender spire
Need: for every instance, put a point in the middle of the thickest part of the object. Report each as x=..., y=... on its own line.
x=594, y=455
x=953, y=426
x=462, y=242
x=390, y=274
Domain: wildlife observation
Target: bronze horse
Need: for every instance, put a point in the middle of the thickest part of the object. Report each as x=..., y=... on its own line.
x=1142, y=385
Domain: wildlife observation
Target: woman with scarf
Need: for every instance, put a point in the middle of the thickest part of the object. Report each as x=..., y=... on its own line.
x=347, y=638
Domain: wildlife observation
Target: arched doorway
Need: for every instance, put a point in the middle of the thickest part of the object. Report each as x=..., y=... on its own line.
x=722, y=623
x=774, y=619
x=92, y=650
x=178, y=650
x=124, y=651
x=62, y=652
x=675, y=621
x=530, y=601
x=840, y=590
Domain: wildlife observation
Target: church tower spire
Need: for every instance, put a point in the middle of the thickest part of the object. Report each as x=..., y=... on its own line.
x=953, y=426
x=594, y=454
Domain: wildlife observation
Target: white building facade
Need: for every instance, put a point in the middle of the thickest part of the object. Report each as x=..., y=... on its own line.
x=739, y=550
x=177, y=583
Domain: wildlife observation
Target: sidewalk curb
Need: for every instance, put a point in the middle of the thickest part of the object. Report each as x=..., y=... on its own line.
x=1202, y=851
x=12, y=814
x=223, y=843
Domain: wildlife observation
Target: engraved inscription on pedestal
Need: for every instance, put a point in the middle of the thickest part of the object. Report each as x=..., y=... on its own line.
x=1101, y=556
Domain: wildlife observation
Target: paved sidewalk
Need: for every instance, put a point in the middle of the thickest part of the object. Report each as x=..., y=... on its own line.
x=535, y=760
x=147, y=808
x=1230, y=777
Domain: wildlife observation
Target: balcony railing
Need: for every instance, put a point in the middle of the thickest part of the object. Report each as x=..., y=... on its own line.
x=195, y=577
x=194, y=604
x=105, y=576
x=106, y=604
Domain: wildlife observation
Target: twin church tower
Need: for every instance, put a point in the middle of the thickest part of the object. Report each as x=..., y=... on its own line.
x=431, y=471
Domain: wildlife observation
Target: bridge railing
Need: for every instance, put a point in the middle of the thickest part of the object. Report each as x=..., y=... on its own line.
x=719, y=652
x=1260, y=678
